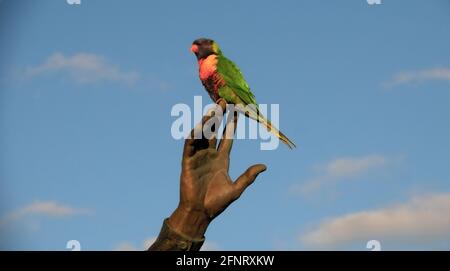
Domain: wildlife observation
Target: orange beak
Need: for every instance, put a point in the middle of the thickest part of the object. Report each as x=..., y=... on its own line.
x=194, y=48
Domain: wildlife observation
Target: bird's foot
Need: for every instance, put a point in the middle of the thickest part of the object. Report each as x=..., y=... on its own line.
x=220, y=101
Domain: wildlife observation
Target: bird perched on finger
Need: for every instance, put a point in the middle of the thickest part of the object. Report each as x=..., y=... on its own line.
x=222, y=79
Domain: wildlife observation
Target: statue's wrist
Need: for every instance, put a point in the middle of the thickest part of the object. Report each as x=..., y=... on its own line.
x=190, y=223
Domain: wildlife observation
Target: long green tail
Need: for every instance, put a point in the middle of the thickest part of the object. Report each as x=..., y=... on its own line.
x=253, y=113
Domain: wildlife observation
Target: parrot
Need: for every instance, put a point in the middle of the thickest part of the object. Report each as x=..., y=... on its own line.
x=222, y=79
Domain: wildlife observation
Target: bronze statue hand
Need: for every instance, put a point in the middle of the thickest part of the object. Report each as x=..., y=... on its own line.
x=206, y=189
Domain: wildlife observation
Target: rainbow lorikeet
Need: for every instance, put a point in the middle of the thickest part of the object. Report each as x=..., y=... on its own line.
x=223, y=79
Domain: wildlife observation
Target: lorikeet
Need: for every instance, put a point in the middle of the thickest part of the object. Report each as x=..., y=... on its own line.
x=223, y=79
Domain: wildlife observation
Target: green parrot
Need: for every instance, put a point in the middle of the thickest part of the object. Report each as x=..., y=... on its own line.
x=223, y=79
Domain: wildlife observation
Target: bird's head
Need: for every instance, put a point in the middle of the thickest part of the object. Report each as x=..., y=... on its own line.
x=203, y=47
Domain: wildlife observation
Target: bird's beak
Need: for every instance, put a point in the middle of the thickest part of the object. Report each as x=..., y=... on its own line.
x=194, y=48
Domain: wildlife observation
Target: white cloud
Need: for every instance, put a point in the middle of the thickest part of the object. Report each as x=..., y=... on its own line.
x=350, y=166
x=339, y=169
x=210, y=246
x=442, y=74
x=83, y=68
x=43, y=208
x=421, y=219
x=125, y=246
x=148, y=242
x=128, y=246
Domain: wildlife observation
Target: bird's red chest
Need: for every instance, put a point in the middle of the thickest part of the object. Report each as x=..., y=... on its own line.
x=207, y=67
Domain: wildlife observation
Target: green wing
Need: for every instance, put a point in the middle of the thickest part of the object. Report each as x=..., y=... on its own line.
x=235, y=80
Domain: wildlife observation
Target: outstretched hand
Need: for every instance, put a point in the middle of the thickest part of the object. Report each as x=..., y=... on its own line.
x=206, y=189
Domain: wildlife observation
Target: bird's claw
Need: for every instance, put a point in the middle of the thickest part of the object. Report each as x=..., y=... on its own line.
x=221, y=102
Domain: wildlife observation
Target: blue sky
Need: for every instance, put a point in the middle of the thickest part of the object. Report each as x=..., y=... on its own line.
x=86, y=95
